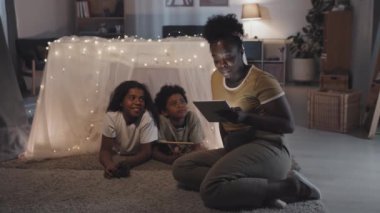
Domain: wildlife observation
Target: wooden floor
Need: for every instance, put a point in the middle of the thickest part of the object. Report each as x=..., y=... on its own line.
x=345, y=167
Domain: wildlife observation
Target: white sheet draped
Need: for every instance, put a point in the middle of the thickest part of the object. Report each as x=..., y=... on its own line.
x=81, y=73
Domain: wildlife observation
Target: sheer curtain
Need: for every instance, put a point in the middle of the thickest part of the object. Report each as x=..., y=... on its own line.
x=14, y=126
x=81, y=73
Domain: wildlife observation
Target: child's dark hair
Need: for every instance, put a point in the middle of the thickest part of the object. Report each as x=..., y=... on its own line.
x=122, y=90
x=224, y=27
x=165, y=92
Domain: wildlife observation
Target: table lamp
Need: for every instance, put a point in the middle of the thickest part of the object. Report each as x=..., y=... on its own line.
x=251, y=12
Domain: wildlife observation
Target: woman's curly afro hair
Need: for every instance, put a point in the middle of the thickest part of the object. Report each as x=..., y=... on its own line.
x=223, y=27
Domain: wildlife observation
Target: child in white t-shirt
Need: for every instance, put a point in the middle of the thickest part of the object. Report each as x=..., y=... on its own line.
x=130, y=125
x=177, y=124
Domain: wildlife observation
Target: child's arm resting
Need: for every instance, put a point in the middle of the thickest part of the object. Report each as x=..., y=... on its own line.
x=105, y=155
x=142, y=155
x=165, y=158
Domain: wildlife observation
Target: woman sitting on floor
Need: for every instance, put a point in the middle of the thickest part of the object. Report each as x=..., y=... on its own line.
x=252, y=169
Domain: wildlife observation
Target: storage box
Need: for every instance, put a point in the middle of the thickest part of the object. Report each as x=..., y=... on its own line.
x=276, y=69
x=333, y=110
x=334, y=82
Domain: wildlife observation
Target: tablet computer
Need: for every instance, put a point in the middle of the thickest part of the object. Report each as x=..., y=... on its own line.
x=178, y=146
x=176, y=142
x=209, y=109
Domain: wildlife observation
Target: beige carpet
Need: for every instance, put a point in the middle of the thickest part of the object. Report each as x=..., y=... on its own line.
x=76, y=184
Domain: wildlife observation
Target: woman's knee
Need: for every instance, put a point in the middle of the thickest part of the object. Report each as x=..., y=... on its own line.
x=180, y=168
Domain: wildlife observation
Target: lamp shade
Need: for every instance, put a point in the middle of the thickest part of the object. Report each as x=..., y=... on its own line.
x=250, y=12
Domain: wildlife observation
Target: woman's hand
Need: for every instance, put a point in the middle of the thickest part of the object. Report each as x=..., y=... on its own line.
x=234, y=115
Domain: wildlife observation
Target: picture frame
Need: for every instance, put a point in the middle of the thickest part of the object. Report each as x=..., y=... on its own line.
x=179, y=3
x=213, y=3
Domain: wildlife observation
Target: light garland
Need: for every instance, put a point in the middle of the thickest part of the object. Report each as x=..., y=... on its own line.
x=110, y=48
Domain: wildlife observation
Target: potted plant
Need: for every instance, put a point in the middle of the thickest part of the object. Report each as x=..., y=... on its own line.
x=307, y=46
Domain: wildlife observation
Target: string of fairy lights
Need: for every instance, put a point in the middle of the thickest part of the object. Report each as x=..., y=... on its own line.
x=94, y=47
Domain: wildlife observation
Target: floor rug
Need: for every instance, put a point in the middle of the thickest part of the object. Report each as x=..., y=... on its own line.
x=76, y=184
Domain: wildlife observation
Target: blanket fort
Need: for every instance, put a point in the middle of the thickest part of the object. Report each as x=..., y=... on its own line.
x=81, y=73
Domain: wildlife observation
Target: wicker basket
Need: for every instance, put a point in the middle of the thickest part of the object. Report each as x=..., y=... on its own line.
x=333, y=110
x=334, y=82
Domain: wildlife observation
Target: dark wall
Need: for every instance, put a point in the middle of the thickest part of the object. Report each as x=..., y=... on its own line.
x=376, y=18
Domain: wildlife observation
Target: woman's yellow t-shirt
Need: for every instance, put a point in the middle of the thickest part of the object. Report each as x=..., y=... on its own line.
x=257, y=88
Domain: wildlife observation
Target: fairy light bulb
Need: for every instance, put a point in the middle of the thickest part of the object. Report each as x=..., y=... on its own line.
x=202, y=44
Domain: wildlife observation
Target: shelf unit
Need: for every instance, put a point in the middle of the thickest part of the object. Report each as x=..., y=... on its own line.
x=268, y=55
x=335, y=61
x=337, y=55
x=104, y=18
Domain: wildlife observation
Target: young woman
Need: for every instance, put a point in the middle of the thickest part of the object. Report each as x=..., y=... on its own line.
x=130, y=125
x=177, y=124
x=252, y=170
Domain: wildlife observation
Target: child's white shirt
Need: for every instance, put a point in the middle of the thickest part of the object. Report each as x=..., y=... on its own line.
x=129, y=137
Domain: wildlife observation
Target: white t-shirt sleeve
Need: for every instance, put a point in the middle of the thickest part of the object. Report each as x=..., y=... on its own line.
x=148, y=131
x=109, y=126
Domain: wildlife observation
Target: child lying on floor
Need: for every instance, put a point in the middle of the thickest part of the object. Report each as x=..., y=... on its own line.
x=130, y=126
x=180, y=130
